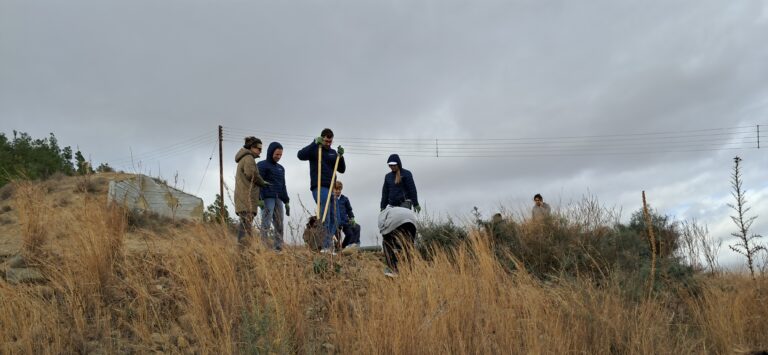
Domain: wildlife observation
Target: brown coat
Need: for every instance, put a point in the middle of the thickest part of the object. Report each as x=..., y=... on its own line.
x=247, y=182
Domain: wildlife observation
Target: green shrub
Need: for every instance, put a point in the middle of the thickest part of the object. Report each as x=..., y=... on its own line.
x=568, y=247
x=444, y=235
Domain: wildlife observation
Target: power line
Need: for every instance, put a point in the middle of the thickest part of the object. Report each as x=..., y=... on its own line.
x=178, y=146
x=580, y=147
x=713, y=131
x=518, y=141
x=481, y=146
x=213, y=150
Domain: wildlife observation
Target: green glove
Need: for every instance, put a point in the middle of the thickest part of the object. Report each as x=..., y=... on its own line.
x=352, y=222
x=340, y=149
x=417, y=208
x=319, y=140
x=287, y=210
x=260, y=204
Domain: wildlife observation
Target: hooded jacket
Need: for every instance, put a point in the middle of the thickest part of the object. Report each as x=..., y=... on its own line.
x=328, y=161
x=274, y=173
x=394, y=194
x=393, y=217
x=247, y=182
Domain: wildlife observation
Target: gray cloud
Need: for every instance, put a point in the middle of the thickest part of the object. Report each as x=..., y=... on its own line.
x=107, y=76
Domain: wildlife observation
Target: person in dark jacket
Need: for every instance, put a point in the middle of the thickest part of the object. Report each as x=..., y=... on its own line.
x=347, y=223
x=274, y=195
x=399, y=188
x=327, y=162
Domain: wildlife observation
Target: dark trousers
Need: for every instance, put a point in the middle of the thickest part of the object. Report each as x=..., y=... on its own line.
x=396, y=241
x=351, y=234
x=245, y=227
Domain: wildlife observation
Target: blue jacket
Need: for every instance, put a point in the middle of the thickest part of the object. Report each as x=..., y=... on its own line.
x=394, y=194
x=273, y=173
x=328, y=160
x=345, y=210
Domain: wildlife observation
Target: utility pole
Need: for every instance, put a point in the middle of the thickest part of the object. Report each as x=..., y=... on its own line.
x=221, y=173
x=758, y=136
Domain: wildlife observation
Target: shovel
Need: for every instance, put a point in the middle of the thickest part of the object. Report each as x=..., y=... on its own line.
x=315, y=231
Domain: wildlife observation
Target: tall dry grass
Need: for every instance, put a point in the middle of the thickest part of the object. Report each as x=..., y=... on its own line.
x=192, y=291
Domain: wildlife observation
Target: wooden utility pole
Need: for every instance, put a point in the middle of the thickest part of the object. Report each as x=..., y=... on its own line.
x=221, y=172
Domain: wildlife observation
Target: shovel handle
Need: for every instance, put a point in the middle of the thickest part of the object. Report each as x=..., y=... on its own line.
x=319, y=170
x=333, y=180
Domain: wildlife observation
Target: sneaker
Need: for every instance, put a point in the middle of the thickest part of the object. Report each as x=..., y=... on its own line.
x=388, y=272
x=350, y=249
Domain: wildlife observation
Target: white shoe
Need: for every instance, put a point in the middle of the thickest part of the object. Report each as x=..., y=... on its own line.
x=327, y=251
x=350, y=249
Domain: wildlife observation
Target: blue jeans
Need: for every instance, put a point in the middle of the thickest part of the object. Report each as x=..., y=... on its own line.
x=272, y=213
x=331, y=217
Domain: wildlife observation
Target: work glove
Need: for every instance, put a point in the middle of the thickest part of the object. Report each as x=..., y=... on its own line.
x=381, y=210
x=260, y=204
x=417, y=208
x=287, y=210
x=319, y=140
x=340, y=149
x=352, y=222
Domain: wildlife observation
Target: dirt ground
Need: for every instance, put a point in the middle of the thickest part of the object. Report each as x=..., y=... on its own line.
x=63, y=192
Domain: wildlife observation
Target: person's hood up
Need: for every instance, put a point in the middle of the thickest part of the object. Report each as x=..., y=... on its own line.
x=242, y=153
x=393, y=216
x=395, y=158
x=271, y=151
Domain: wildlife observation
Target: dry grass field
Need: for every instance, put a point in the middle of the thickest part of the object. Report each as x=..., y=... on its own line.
x=108, y=287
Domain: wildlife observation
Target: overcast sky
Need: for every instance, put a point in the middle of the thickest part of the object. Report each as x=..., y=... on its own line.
x=507, y=82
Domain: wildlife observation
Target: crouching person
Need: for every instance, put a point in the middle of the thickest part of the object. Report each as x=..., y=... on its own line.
x=397, y=225
x=347, y=223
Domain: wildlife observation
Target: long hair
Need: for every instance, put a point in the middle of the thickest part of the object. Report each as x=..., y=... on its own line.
x=398, y=179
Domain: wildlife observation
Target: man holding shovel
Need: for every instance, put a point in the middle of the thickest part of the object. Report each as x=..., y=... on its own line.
x=324, y=163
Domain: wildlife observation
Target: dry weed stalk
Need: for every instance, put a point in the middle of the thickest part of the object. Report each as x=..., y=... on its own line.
x=748, y=244
x=652, y=240
x=189, y=291
x=33, y=214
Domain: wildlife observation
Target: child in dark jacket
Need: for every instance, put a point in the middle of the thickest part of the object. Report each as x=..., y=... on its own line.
x=347, y=223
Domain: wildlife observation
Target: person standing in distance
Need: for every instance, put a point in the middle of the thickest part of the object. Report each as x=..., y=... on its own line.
x=248, y=183
x=541, y=209
x=399, y=188
x=274, y=195
x=327, y=162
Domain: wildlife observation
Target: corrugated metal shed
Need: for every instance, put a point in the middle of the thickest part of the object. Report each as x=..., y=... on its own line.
x=144, y=193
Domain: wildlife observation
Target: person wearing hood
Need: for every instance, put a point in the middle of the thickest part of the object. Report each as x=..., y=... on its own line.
x=399, y=188
x=327, y=163
x=274, y=195
x=397, y=226
x=248, y=183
